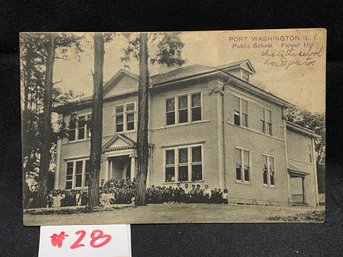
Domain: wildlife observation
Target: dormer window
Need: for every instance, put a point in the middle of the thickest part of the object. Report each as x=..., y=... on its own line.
x=245, y=75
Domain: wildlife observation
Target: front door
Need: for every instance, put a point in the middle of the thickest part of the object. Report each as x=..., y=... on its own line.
x=297, y=189
x=120, y=167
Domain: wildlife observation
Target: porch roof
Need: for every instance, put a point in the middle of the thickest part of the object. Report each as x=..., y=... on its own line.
x=120, y=142
x=296, y=171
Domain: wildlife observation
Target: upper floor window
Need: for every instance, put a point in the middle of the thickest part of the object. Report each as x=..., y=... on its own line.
x=245, y=75
x=266, y=121
x=79, y=127
x=77, y=174
x=170, y=111
x=240, y=113
x=196, y=107
x=183, y=108
x=242, y=165
x=125, y=117
x=268, y=170
x=188, y=109
x=183, y=164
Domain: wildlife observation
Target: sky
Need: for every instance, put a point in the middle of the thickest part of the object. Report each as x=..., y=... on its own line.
x=288, y=63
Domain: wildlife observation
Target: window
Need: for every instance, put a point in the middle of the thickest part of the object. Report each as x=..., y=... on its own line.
x=125, y=117
x=130, y=116
x=196, y=163
x=170, y=111
x=188, y=109
x=245, y=76
x=196, y=107
x=170, y=166
x=69, y=175
x=77, y=174
x=240, y=113
x=183, y=164
x=80, y=127
x=88, y=168
x=244, y=109
x=183, y=109
x=268, y=170
x=236, y=111
x=242, y=165
x=187, y=159
x=266, y=121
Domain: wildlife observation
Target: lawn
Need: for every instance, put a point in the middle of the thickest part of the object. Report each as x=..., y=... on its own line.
x=183, y=213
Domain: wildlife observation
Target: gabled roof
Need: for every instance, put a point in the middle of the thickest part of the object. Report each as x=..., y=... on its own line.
x=110, y=145
x=238, y=64
x=110, y=84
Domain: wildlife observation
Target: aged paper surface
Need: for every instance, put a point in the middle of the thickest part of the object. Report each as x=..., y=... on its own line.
x=236, y=133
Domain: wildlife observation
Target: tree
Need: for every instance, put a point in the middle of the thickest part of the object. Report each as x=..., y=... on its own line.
x=38, y=53
x=46, y=133
x=142, y=134
x=96, y=129
x=166, y=49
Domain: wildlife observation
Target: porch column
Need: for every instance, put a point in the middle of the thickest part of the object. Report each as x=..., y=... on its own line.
x=106, y=163
x=149, y=177
x=290, y=199
x=110, y=169
x=58, y=164
x=303, y=186
x=133, y=166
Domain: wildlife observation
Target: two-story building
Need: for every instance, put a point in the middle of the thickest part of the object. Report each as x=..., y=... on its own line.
x=206, y=126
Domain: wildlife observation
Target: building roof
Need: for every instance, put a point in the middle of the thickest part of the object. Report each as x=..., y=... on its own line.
x=295, y=170
x=188, y=72
x=297, y=128
x=179, y=73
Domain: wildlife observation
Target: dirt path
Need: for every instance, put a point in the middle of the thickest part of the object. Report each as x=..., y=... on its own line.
x=179, y=213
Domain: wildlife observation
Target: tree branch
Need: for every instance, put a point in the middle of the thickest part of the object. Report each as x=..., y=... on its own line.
x=57, y=82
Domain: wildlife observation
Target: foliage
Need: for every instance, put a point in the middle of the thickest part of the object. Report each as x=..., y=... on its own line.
x=33, y=54
x=163, y=48
x=314, y=122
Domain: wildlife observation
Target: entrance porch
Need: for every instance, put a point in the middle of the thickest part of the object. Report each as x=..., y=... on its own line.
x=297, y=185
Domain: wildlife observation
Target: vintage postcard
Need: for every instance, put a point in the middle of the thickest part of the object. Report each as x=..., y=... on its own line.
x=173, y=127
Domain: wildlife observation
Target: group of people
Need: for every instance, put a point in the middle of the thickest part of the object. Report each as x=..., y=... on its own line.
x=118, y=191
x=187, y=194
x=122, y=191
x=60, y=198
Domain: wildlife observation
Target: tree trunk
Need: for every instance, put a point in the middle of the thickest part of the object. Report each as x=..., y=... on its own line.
x=26, y=74
x=142, y=134
x=96, y=127
x=46, y=133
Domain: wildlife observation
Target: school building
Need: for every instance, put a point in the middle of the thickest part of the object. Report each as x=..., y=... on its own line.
x=207, y=125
